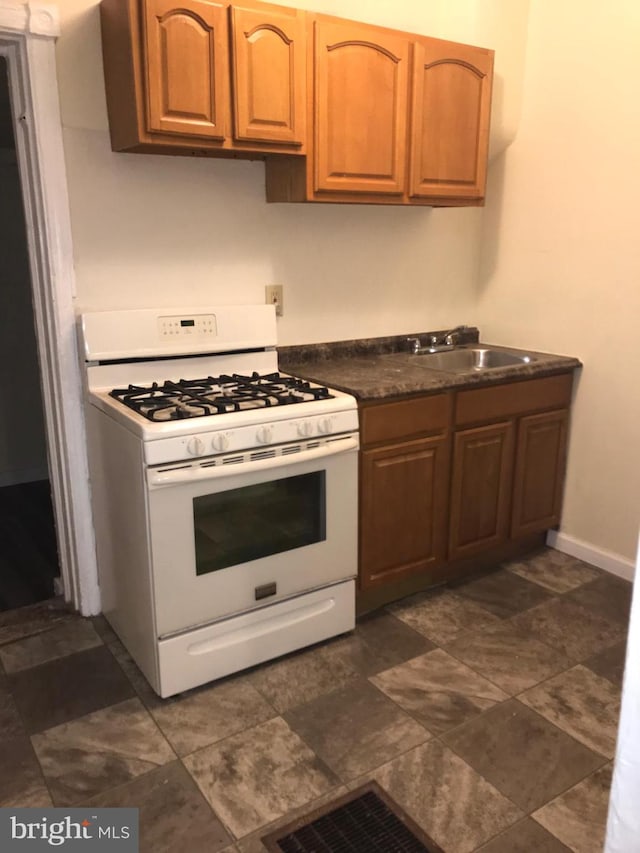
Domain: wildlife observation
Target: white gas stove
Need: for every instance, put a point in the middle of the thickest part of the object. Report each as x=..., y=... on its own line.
x=224, y=492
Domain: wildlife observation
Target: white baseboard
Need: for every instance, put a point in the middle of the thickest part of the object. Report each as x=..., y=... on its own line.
x=607, y=560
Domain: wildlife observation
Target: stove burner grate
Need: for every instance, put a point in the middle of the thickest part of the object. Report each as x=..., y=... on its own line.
x=193, y=398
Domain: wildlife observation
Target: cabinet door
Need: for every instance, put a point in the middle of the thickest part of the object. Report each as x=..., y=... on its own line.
x=539, y=472
x=403, y=503
x=269, y=74
x=480, y=489
x=450, y=125
x=361, y=87
x=186, y=57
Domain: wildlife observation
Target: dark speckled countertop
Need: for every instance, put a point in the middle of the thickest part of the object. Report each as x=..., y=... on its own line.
x=381, y=368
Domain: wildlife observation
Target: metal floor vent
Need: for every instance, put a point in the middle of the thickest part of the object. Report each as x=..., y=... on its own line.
x=363, y=821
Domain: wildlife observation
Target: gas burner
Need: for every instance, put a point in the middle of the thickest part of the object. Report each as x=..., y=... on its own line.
x=194, y=398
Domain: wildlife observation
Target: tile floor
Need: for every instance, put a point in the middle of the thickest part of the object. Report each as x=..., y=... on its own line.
x=488, y=710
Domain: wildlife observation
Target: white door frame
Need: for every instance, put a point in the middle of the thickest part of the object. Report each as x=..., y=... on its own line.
x=27, y=41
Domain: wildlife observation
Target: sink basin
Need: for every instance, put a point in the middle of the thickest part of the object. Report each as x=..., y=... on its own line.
x=472, y=359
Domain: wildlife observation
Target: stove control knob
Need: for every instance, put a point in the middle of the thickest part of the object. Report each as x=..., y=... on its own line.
x=195, y=446
x=305, y=429
x=325, y=425
x=221, y=441
x=263, y=436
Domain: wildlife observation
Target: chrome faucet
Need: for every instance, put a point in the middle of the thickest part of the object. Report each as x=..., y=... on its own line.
x=437, y=342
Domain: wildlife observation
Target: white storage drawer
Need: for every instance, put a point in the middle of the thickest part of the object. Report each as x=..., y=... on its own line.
x=230, y=645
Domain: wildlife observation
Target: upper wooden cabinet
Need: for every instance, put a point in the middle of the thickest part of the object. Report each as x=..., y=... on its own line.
x=269, y=74
x=397, y=119
x=450, y=120
x=204, y=77
x=185, y=49
x=392, y=117
x=360, y=120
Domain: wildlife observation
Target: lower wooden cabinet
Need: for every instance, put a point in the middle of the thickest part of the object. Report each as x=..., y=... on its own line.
x=480, y=488
x=403, y=525
x=456, y=476
x=539, y=472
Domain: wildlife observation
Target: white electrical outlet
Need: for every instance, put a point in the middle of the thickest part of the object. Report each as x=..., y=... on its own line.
x=273, y=296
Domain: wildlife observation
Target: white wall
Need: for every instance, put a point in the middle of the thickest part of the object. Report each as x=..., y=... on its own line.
x=560, y=263
x=150, y=229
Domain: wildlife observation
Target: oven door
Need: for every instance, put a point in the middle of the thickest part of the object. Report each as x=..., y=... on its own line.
x=236, y=535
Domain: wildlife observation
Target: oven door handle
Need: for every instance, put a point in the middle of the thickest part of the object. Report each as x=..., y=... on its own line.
x=193, y=473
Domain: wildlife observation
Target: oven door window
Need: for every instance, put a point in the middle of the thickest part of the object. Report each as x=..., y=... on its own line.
x=256, y=521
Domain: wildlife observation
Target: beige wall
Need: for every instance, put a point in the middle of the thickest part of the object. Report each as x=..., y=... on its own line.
x=560, y=264
x=165, y=230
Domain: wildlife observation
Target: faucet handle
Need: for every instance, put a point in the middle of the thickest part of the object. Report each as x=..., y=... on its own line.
x=452, y=337
x=414, y=344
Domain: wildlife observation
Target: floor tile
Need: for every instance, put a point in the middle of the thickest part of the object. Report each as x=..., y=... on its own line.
x=609, y=663
x=525, y=757
x=10, y=722
x=452, y=803
x=21, y=780
x=68, y=687
x=103, y=629
x=442, y=616
x=355, y=729
x=554, y=570
x=99, y=751
x=205, y=715
x=509, y=657
x=608, y=596
x=381, y=641
x=301, y=677
x=253, y=778
x=27, y=621
x=134, y=676
x=576, y=632
x=582, y=704
x=62, y=640
x=524, y=837
x=503, y=593
x=579, y=816
x=438, y=690
x=174, y=816
x=252, y=843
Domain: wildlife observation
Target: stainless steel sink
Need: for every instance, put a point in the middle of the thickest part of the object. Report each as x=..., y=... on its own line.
x=464, y=360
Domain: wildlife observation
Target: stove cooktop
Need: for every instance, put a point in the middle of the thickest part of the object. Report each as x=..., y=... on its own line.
x=193, y=398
